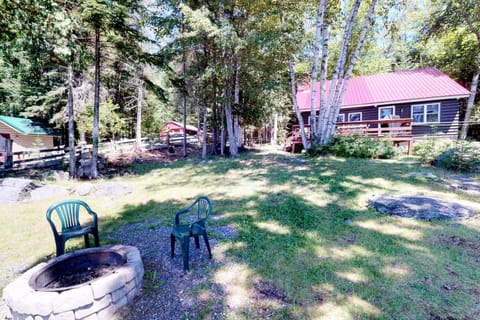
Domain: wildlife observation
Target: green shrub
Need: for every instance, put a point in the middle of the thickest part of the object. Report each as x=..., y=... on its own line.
x=429, y=149
x=463, y=156
x=356, y=146
x=315, y=151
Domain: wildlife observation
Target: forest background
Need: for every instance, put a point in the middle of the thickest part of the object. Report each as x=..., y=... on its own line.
x=123, y=68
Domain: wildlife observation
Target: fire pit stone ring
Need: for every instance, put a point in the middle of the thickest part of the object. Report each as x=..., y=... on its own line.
x=29, y=297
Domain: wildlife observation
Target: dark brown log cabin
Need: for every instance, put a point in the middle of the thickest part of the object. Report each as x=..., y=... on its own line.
x=428, y=97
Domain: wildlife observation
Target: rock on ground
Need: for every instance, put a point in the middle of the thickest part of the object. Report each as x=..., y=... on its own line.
x=48, y=191
x=424, y=208
x=84, y=189
x=56, y=175
x=13, y=190
x=113, y=189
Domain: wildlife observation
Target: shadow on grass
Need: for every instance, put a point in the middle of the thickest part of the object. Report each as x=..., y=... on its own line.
x=296, y=258
x=299, y=259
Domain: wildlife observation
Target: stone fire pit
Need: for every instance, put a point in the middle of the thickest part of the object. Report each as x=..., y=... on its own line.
x=93, y=283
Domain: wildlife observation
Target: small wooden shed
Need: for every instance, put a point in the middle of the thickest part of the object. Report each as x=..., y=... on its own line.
x=177, y=127
x=21, y=134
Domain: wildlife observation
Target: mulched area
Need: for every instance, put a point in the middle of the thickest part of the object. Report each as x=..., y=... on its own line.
x=168, y=292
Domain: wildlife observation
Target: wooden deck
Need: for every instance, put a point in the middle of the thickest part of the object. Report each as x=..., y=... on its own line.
x=396, y=130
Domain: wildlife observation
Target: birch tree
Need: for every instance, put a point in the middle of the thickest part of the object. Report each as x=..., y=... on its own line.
x=293, y=82
x=322, y=130
x=318, y=39
x=341, y=78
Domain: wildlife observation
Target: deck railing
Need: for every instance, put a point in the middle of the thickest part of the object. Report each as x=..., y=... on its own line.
x=377, y=128
x=397, y=130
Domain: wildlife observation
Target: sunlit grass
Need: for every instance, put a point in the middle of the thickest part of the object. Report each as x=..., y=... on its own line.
x=305, y=232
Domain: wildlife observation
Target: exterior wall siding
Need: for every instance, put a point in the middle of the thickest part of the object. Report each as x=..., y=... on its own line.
x=23, y=142
x=448, y=126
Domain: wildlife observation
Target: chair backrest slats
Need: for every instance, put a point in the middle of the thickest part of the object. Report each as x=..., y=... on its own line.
x=68, y=213
x=204, y=208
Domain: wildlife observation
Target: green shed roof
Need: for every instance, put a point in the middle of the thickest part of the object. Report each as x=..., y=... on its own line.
x=27, y=126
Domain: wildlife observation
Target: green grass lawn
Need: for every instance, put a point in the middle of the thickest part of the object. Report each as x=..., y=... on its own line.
x=305, y=233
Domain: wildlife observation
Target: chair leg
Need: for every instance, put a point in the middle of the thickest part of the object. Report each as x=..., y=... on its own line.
x=172, y=244
x=87, y=240
x=197, y=242
x=205, y=237
x=96, y=238
x=60, y=244
x=185, y=252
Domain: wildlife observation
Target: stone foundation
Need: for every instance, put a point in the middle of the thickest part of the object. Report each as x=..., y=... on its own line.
x=99, y=299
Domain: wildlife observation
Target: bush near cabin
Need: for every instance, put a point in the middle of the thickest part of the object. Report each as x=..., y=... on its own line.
x=356, y=146
x=458, y=155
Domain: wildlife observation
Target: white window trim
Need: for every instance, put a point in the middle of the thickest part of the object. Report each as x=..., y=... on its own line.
x=342, y=115
x=424, y=105
x=386, y=107
x=352, y=113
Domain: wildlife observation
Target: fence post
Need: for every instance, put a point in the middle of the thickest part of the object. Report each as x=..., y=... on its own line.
x=8, y=155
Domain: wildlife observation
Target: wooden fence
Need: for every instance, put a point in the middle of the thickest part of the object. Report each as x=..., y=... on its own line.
x=41, y=158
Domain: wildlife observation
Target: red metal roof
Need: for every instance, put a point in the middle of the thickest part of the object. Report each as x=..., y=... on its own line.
x=390, y=88
x=177, y=127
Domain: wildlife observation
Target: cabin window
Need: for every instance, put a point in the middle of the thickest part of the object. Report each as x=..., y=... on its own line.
x=426, y=113
x=386, y=112
x=354, y=116
x=340, y=118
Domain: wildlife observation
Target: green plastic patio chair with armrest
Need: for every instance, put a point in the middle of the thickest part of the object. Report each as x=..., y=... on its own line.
x=70, y=213
x=196, y=215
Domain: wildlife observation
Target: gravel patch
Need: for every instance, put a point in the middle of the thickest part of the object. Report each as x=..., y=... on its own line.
x=168, y=292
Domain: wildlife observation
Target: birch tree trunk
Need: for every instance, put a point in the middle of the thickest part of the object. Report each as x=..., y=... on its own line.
x=138, y=129
x=236, y=101
x=295, y=104
x=293, y=88
x=337, y=78
x=214, y=116
x=318, y=38
x=237, y=128
x=471, y=97
x=199, y=113
x=275, y=130
x=222, y=133
x=344, y=85
x=184, y=71
x=228, y=116
x=204, y=124
x=323, y=82
x=341, y=77
x=96, y=108
x=71, y=127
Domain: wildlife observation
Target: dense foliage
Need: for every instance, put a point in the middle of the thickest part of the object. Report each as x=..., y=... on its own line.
x=356, y=146
x=454, y=155
x=429, y=149
x=220, y=65
x=463, y=156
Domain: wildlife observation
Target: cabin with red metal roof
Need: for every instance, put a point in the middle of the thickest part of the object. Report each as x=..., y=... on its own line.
x=177, y=127
x=427, y=98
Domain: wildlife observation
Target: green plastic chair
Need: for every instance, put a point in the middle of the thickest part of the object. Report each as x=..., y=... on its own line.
x=191, y=224
x=70, y=213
